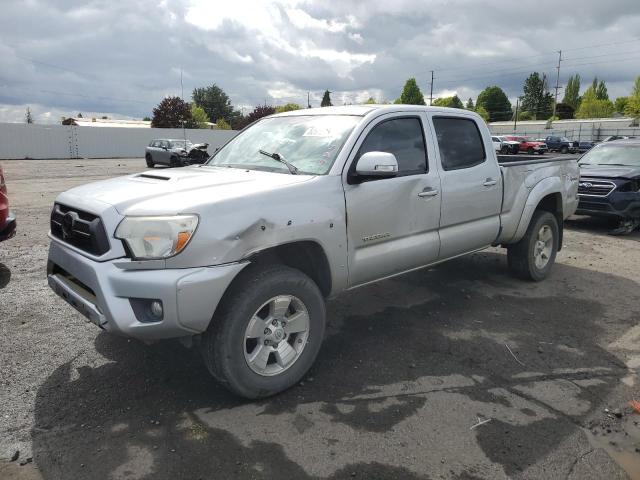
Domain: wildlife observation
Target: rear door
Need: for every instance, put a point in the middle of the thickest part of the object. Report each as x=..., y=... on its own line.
x=393, y=222
x=471, y=185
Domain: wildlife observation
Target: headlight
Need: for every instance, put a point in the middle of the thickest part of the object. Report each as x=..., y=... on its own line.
x=157, y=237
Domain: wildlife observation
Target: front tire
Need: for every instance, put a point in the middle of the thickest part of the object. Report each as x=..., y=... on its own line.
x=534, y=255
x=564, y=149
x=530, y=150
x=149, y=160
x=267, y=331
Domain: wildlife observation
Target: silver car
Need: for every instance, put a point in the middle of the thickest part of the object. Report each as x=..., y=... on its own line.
x=173, y=153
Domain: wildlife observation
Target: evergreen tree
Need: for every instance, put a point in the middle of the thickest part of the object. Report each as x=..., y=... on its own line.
x=28, y=118
x=411, y=94
x=215, y=102
x=326, y=99
x=470, y=105
x=600, y=89
x=537, y=98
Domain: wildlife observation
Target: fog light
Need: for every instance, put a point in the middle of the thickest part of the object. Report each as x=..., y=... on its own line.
x=156, y=308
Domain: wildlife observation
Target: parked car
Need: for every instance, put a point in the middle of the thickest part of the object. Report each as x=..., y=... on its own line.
x=560, y=144
x=7, y=219
x=610, y=183
x=242, y=252
x=175, y=153
x=527, y=145
x=584, y=146
x=512, y=147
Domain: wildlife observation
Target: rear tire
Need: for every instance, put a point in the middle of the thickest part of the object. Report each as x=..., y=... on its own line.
x=530, y=150
x=564, y=149
x=534, y=255
x=238, y=332
x=149, y=160
x=173, y=162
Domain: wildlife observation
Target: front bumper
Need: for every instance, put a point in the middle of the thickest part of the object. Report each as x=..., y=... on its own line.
x=8, y=230
x=115, y=297
x=619, y=205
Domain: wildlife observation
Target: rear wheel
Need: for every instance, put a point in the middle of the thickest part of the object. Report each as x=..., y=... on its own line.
x=173, y=161
x=267, y=332
x=564, y=149
x=530, y=150
x=149, y=160
x=534, y=255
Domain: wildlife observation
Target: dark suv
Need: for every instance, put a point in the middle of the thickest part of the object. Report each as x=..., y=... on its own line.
x=610, y=183
x=560, y=144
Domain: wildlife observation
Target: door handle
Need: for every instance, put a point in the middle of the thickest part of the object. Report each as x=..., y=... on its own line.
x=489, y=182
x=428, y=193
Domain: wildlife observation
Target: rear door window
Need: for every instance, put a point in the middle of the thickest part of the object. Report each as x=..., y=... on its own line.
x=404, y=138
x=460, y=142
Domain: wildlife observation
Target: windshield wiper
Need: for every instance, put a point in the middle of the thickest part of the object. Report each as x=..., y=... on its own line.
x=278, y=158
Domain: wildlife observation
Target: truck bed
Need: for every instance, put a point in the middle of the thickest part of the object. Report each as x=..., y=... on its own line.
x=521, y=175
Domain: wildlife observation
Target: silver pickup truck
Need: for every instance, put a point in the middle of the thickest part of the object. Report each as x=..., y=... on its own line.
x=239, y=254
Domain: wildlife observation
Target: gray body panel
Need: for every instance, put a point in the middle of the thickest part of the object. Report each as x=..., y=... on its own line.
x=367, y=231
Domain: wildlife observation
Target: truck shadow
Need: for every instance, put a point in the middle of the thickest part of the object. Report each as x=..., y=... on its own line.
x=5, y=275
x=434, y=356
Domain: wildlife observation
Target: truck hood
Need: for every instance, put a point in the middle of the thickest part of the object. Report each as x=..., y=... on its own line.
x=176, y=190
x=609, y=171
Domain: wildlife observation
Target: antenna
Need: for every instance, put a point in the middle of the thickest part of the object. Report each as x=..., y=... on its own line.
x=184, y=132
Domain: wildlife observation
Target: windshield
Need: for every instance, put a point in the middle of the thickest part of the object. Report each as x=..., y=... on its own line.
x=310, y=143
x=612, y=154
x=179, y=144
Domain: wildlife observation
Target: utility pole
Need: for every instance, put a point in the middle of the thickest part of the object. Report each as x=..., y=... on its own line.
x=515, y=119
x=184, y=133
x=431, y=90
x=308, y=102
x=555, y=100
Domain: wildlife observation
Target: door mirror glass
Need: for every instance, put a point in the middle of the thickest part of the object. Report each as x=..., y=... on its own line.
x=377, y=164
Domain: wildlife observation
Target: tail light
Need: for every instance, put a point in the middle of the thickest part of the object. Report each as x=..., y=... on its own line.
x=3, y=185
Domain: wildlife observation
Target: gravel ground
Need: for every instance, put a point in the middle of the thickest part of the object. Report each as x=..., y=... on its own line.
x=457, y=372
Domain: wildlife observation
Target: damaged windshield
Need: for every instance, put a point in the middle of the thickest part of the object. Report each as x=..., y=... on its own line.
x=612, y=154
x=309, y=143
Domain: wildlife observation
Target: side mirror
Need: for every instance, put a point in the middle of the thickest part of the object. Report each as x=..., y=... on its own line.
x=377, y=164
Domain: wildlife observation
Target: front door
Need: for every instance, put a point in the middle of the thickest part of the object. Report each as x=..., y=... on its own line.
x=471, y=186
x=393, y=222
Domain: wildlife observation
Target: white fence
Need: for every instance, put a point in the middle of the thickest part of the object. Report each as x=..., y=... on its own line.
x=19, y=140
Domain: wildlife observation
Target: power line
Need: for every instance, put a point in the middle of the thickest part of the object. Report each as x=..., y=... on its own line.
x=555, y=99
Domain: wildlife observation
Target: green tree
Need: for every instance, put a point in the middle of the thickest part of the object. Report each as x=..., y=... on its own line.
x=470, y=105
x=537, y=98
x=632, y=108
x=524, y=115
x=620, y=104
x=451, y=102
x=600, y=89
x=572, y=92
x=371, y=101
x=411, y=94
x=495, y=103
x=146, y=119
x=199, y=118
x=287, y=107
x=28, y=118
x=170, y=113
x=326, y=99
x=215, y=102
x=222, y=124
x=564, y=111
x=593, y=107
x=480, y=110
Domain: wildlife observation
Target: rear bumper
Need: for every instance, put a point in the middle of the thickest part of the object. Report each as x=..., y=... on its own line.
x=117, y=299
x=619, y=205
x=8, y=230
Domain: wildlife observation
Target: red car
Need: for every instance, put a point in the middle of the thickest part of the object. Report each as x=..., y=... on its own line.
x=529, y=146
x=7, y=220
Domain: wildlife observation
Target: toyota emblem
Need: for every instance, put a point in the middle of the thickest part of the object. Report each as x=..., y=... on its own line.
x=68, y=224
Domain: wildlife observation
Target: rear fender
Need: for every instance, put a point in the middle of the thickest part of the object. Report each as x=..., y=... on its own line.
x=548, y=186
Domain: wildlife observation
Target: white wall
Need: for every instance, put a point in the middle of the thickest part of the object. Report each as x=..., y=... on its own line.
x=19, y=140
x=587, y=130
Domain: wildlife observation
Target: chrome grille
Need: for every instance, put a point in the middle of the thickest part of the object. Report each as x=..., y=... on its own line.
x=595, y=188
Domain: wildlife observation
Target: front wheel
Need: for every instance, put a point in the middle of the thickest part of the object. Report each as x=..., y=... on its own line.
x=533, y=256
x=564, y=149
x=149, y=160
x=267, y=331
x=530, y=150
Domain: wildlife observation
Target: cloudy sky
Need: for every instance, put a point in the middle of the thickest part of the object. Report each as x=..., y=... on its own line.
x=120, y=58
